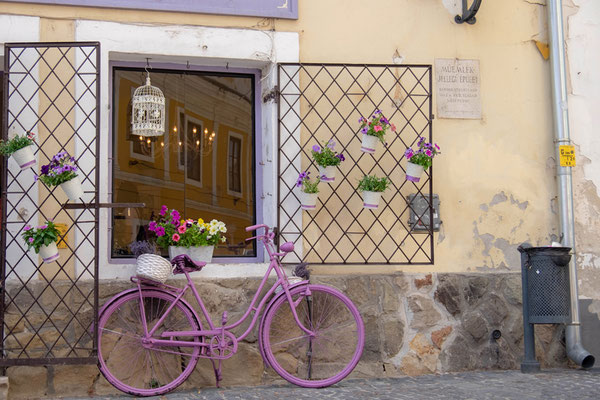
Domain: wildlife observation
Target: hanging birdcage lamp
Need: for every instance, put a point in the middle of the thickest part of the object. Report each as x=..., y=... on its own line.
x=148, y=110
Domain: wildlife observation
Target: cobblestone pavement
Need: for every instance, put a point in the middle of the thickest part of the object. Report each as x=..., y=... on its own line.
x=550, y=384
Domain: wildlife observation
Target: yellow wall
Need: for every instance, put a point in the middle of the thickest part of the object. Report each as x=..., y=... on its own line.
x=495, y=177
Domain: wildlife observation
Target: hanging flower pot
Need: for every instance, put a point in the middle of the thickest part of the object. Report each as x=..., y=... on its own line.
x=371, y=199
x=413, y=172
x=327, y=173
x=196, y=253
x=49, y=253
x=308, y=201
x=369, y=143
x=72, y=188
x=24, y=157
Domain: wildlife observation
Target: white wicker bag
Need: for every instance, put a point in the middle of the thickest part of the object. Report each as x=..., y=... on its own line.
x=151, y=266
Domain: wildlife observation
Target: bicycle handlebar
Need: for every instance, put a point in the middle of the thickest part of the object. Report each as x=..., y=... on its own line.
x=255, y=227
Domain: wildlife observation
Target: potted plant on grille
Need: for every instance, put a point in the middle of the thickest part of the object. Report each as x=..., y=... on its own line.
x=327, y=159
x=43, y=240
x=62, y=171
x=419, y=160
x=373, y=131
x=372, y=187
x=309, y=191
x=197, y=239
x=149, y=264
x=20, y=148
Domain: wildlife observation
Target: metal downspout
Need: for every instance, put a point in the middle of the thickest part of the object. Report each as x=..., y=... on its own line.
x=575, y=349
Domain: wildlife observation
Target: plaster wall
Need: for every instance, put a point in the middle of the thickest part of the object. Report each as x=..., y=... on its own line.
x=495, y=176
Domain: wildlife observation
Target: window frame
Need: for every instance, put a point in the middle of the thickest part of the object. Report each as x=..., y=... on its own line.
x=256, y=75
x=239, y=137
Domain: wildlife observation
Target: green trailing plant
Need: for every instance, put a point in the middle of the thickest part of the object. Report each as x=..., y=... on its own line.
x=18, y=142
x=61, y=169
x=326, y=155
x=306, y=185
x=40, y=236
x=371, y=183
x=377, y=125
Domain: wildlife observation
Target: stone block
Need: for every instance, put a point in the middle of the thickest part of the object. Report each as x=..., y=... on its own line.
x=460, y=355
x=439, y=337
x=448, y=293
x=27, y=382
x=362, y=291
x=372, y=350
x=393, y=336
x=391, y=297
x=74, y=380
x=246, y=367
x=475, y=325
x=424, y=315
x=4, y=387
x=512, y=290
x=425, y=282
x=494, y=310
x=475, y=289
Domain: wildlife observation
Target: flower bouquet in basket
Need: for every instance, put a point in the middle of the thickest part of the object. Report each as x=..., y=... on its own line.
x=309, y=191
x=149, y=264
x=327, y=159
x=419, y=160
x=372, y=187
x=20, y=148
x=43, y=240
x=197, y=239
x=373, y=131
x=62, y=171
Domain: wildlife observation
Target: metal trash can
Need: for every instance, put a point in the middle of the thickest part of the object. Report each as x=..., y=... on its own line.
x=546, y=293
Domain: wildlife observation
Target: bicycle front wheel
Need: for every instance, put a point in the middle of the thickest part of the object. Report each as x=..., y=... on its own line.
x=125, y=358
x=328, y=356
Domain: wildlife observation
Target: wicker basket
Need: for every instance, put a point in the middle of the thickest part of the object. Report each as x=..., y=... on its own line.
x=151, y=266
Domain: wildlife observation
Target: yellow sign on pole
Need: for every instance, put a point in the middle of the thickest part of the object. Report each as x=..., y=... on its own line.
x=62, y=228
x=567, y=155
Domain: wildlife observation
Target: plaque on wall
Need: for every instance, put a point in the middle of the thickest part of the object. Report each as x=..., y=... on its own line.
x=458, y=89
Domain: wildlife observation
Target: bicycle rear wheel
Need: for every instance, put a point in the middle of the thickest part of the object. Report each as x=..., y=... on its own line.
x=139, y=369
x=327, y=357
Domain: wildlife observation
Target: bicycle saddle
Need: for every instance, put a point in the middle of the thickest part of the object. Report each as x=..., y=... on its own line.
x=183, y=263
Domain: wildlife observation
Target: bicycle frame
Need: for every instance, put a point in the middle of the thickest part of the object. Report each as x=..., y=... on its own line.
x=224, y=330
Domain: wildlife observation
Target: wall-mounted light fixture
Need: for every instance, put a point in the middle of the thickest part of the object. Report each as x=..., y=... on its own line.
x=468, y=13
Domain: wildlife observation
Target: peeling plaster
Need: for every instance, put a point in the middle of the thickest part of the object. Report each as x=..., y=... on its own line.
x=498, y=198
x=521, y=205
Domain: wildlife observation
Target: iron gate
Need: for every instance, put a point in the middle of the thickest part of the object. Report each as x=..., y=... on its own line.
x=319, y=102
x=48, y=310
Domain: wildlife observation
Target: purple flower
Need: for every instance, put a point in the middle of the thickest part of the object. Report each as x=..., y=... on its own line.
x=331, y=144
x=299, y=182
x=160, y=231
x=42, y=227
x=163, y=210
x=188, y=224
x=45, y=169
x=27, y=228
x=437, y=147
x=384, y=120
x=409, y=153
x=303, y=175
x=175, y=215
x=152, y=225
x=341, y=157
x=362, y=119
x=420, y=142
x=35, y=178
x=30, y=240
x=428, y=152
x=364, y=130
x=428, y=145
x=377, y=112
x=316, y=148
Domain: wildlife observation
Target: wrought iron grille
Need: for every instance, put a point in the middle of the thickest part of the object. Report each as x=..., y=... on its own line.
x=320, y=102
x=48, y=310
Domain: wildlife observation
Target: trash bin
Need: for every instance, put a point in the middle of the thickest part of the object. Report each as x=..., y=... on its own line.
x=546, y=279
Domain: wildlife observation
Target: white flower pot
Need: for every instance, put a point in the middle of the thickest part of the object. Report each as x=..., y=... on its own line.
x=197, y=253
x=371, y=199
x=72, y=188
x=49, y=253
x=369, y=143
x=413, y=172
x=24, y=157
x=308, y=201
x=327, y=173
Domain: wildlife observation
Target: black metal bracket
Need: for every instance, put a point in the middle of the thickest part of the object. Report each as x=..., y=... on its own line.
x=468, y=13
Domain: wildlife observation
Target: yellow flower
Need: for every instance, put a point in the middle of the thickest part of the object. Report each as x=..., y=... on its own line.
x=200, y=221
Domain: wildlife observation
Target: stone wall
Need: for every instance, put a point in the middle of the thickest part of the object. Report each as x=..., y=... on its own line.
x=415, y=324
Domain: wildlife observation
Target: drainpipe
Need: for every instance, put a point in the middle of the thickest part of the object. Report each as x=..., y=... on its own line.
x=575, y=349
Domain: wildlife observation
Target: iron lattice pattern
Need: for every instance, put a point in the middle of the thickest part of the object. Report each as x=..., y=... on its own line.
x=320, y=102
x=48, y=310
x=548, y=291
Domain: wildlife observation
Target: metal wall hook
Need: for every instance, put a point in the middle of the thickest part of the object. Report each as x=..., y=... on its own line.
x=468, y=13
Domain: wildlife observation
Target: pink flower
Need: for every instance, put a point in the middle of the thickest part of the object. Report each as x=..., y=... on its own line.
x=377, y=128
x=181, y=229
x=30, y=240
x=175, y=237
x=152, y=225
x=393, y=128
x=163, y=210
x=160, y=231
x=428, y=152
x=27, y=227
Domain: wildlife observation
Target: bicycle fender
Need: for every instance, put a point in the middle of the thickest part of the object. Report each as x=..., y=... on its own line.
x=262, y=320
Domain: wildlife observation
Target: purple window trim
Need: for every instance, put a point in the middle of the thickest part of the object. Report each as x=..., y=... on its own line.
x=258, y=178
x=287, y=9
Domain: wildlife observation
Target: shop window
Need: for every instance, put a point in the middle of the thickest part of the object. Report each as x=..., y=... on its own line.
x=195, y=167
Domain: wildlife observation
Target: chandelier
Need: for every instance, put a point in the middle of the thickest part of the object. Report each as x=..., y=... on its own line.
x=148, y=110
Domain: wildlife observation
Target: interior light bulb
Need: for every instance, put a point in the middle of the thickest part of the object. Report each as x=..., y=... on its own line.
x=194, y=130
x=205, y=131
x=197, y=143
x=175, y=128
x=141, y=138
x=148, y=141
x=213, y=135
x=180, y=143
x=162, y=144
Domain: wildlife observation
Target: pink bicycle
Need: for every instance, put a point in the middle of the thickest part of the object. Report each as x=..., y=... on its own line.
x=150, y=339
